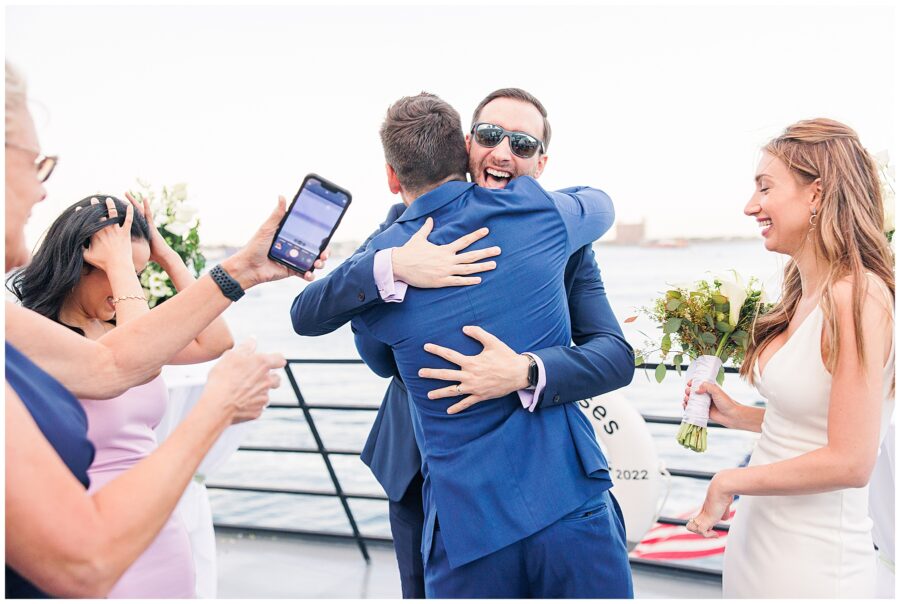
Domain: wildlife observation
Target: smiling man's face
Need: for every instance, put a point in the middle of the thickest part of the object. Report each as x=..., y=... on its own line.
x=494, y=167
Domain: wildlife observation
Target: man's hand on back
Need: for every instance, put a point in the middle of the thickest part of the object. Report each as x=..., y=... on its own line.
x=496, y=371
x=422, y=264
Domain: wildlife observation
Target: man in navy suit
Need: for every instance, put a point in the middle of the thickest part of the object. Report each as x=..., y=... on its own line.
x=508, y=494
x=600, y=362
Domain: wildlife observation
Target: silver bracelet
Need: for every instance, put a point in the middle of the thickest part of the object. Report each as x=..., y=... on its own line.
x=120, y=298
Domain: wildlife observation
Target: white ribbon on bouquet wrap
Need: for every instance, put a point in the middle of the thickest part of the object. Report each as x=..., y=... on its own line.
x=702, y=369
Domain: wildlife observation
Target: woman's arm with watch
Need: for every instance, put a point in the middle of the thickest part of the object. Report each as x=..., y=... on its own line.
x=133, y=353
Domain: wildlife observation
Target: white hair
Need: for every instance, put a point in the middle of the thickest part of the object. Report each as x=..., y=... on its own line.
x=16, y=99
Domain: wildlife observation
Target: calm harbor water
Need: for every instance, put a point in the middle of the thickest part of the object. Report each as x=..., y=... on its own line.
x=633, y=277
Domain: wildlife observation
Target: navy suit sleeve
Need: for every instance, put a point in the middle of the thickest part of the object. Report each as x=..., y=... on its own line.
x=326, y=304
x=377, y=355
x=587, y=214
x=601, y=360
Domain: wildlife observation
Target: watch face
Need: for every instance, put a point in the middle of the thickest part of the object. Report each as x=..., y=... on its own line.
x=532, y=373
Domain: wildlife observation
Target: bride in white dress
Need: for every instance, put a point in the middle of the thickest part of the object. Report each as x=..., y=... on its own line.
x=824, y=360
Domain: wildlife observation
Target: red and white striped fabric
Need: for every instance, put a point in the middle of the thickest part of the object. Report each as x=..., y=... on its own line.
x=669, y=542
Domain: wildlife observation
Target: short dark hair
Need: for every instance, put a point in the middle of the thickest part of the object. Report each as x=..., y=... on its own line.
x=423, y=141
x=520, y=95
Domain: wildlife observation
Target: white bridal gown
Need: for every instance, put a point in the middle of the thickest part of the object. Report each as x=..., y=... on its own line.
x=802, y=546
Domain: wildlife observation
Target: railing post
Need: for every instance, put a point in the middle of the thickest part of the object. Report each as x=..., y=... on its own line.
x=323, y=451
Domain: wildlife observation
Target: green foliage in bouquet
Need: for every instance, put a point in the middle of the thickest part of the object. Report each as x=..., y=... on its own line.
x=178, y=223
x=707, y=318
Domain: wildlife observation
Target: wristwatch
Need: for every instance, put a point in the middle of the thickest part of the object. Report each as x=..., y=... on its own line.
x=532, y=372
x=230, y=288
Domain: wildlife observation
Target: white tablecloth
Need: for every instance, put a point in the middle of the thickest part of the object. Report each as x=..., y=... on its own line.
x=185, y=384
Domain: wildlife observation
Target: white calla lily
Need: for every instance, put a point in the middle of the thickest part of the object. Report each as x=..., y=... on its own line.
x=736, y=295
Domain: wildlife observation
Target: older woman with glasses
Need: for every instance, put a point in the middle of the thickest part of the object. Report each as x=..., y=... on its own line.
x=60, y=539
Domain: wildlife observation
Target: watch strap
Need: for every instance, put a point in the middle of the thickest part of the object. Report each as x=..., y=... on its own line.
x=230, y=288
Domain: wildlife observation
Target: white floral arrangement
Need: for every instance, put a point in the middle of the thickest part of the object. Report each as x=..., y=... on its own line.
x=178, y=222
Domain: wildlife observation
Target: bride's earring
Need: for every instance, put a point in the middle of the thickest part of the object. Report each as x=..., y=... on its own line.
x=813, y=220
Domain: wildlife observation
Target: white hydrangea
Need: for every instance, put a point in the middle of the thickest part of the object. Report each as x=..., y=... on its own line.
x=158, y=287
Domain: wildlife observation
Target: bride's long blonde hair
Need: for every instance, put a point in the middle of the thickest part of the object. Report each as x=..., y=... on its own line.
x=848, y=235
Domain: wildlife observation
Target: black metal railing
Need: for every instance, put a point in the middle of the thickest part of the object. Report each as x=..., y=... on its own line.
x=322, y=450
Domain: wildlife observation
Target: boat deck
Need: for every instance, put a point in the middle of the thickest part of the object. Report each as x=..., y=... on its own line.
x=254, y=565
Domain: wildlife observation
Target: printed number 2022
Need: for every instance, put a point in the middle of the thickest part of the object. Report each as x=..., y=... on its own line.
x=631, y=474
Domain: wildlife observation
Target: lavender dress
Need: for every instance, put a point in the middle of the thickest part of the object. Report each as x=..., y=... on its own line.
x=122, y=432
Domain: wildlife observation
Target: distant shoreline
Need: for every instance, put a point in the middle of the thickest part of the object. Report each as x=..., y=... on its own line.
x=343, y=249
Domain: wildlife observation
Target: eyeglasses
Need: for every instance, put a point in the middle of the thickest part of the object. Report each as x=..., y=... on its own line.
x=521, y=144
x=43, y=164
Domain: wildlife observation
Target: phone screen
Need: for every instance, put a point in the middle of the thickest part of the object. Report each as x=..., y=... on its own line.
x=310, y=222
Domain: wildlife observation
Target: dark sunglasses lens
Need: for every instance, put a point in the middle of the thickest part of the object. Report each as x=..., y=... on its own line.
x=523, y=145
x=488, y=136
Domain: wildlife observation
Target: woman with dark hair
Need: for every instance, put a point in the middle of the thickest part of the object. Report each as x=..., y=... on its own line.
x=64, y=258
x=70, y=280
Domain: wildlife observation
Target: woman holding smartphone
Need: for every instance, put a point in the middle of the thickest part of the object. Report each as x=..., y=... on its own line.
x=60, y=539
x=73, y=285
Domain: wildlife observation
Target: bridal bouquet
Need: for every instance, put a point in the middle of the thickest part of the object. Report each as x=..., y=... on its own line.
x=177, y=221
x=710, y=323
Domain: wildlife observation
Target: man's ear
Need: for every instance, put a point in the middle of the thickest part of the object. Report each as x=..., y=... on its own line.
x=542, y=162
x=393, y=181
x=468, y=143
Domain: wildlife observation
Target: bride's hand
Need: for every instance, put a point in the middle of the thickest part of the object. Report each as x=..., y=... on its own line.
x=723, y=410
x=716, y=507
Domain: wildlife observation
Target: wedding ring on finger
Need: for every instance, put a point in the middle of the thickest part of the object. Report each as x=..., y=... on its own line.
x=458, y=391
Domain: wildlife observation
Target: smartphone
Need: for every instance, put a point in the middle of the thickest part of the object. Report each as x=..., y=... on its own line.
x=309, y=223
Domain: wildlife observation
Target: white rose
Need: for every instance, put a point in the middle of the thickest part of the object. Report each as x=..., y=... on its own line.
x=179, y=191
x=186, y=213
x=179, y=229
x=161, y=219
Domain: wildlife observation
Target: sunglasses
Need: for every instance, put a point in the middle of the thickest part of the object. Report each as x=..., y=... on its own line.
x=521, y=144
x=43, y=164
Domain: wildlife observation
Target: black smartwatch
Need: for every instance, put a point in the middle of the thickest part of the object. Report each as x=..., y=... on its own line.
x=532, y=372
x=230, y=288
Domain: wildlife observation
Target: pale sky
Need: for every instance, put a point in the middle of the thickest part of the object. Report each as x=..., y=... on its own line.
x=664, y=108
